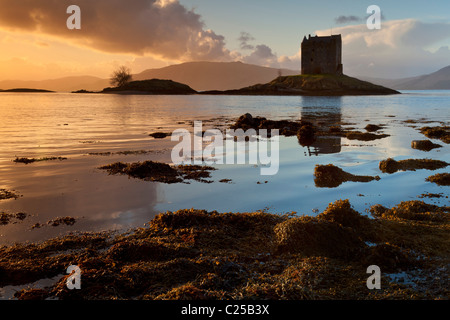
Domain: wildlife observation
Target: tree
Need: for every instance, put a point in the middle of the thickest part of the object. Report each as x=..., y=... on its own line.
x=121, y=76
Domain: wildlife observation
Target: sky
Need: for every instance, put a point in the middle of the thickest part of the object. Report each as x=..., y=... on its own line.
x=35, y=43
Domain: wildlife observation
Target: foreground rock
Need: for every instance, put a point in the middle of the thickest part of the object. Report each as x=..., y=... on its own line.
x=312, y=85
x=330, y=176
x=197, y=255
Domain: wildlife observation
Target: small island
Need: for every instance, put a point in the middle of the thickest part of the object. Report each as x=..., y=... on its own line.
x=25, y=90
x=322, y=75
x=153, y=86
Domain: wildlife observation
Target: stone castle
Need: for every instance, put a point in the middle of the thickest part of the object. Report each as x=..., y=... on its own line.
x=322, y=55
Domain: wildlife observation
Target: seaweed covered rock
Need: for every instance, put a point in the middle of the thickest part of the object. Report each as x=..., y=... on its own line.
x=160, y=172
x=373, y=127
x=389, y=257
x=442, y=133
x=6, y=194
x=330, y=176
x=317, y=237
x=342, y=212
x=285, y=127
x=391, y=166
x=424, y=145
x=441, y=179
x=364, y=136
x=306, y=134
x=413, y=210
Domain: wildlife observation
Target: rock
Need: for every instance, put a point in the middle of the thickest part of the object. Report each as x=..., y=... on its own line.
x=441, y=179
x=372, y=127
x=424, y=145
x=158, y=135
x=306, y=135
x=442, y=133
x=390, y=165
x=330, y=176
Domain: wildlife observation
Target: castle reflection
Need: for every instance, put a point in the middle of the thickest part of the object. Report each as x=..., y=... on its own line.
x=325, y=114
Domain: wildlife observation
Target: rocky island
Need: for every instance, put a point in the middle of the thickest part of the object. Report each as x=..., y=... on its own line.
x=153, y=86
x=312, y=85
x=322, y=74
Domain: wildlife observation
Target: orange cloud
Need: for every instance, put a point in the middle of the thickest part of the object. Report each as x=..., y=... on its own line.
x=162, y=28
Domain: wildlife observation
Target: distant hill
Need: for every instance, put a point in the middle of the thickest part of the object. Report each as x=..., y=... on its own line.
x=439, y=80
x=203, y=76
x=198, y=75
x=311, y=85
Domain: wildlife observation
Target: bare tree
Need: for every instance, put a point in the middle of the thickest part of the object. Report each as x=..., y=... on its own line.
x=121, y=76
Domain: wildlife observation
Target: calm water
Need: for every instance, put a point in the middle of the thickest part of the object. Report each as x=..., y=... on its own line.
x=70, y=125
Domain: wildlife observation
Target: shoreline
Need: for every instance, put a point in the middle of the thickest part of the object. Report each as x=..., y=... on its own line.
x=195, y=254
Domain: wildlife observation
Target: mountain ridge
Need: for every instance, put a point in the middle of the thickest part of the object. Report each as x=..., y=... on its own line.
x=200, y=76
x=222, y=76
x=439, y=80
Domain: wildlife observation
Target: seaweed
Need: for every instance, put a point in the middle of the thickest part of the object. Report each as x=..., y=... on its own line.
x=412, y=210
x=32, y=160
x=6, y=194
x=442, y=133
x=160, y=172
x=6, y=218
x=391, y=166
x=364, y=136
x=198, y=254
x=62, y=220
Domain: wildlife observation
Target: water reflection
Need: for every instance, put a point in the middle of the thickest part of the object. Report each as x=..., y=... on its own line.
x=323, y=113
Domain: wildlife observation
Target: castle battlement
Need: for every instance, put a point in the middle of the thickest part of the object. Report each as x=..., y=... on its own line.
x=322, y=55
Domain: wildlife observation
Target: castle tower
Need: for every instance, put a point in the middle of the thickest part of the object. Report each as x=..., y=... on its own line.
x=322, y=55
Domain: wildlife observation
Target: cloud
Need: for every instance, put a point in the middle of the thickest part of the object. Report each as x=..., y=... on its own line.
x=244, y=41
x=351, y=18
x=347, y=19
x=262, y=55
x=162, y=28
x=400, y=49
